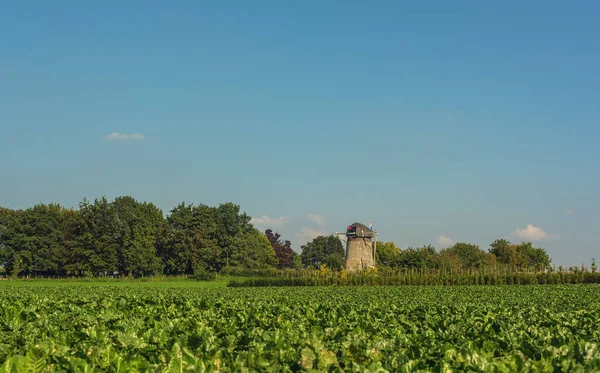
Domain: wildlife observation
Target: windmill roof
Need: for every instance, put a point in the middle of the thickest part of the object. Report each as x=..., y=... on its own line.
x=360, y=225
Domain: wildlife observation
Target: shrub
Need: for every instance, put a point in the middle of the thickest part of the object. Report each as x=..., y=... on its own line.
x=201, y=274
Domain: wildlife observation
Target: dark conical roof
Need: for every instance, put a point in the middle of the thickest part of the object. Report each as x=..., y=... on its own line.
x=359, y=230
x=360, y=225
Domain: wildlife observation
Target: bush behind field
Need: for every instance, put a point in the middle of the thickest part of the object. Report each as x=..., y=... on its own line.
x=247, y=272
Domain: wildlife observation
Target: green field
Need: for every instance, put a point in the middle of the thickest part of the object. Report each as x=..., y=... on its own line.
x=145, y=326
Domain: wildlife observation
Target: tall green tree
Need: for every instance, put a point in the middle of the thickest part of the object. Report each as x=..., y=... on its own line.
x=137, y=225
x=10, y=239
x=387, y=254
x=191, y=241
x=323, y=250
x=253, y=251
x=96, y=246
x=420, y=257
x=470, y=255
x=297, y=260
x=37, y=240
x=505, y=252
x=522, y=255
x=231, y=223
x=533, y=256
x=38, y=243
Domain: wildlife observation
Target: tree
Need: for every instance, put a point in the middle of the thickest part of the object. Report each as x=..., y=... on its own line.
x=191, y=241
x=36, y=240
x=521, y=255
x=253, y=251
x=95, y=245
x=387, y=254
x=211, y=238
x=136, y=234
x=17, y=266
x=470, y=255
x=421, y=257
x=9, y=236
x=283, y=250
x=532, y=256
x=323, y=250
x=230, y=223
x=505, y=252
x=297, y=260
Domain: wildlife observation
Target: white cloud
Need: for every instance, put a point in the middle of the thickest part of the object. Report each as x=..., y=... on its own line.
x=532, y=233
x=444, y=240
x=269, y=222
x=307, y=234
x=116, y=136
x=569, y=211
x=317, y=219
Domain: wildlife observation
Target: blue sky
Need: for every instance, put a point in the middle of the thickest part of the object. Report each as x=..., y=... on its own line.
x=441, y=121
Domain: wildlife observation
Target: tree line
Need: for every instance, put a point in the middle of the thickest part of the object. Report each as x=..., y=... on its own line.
x=129, y=237
x=463, y=255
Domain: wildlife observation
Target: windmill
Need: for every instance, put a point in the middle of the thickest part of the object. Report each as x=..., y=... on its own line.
x=361, y=246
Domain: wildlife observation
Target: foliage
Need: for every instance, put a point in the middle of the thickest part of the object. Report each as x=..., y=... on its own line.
x=422, y=257
x=201, y=274
x=126, y=237
x=386, y=254
x=323, y=250
x=353, y=329
x=521, y=255
x=252, y=250
x=532, y=256
x=249, y=272
x=283, y=249
x=469, y=255
x=297, y=260
x=463, y=255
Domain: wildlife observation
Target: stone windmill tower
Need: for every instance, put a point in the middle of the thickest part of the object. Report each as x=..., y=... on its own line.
x=361, y=243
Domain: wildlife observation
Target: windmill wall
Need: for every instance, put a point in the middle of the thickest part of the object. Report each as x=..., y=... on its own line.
x=359, y=253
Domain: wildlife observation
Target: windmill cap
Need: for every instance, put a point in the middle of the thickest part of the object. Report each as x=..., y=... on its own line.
x=359, y=225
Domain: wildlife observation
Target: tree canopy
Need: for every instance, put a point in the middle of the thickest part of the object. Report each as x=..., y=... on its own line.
x=283, y=250
x=463, y=255
x=128, y=237
x=323, y=250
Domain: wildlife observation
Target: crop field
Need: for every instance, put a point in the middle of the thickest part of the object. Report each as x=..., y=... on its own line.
x=330, y=329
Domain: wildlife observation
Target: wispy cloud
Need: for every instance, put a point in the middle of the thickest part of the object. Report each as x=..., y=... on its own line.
x=532, y=233
x=444, y=240
x=267, y=222
x=117, y=136
x=307, y=234
x=317, y=219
